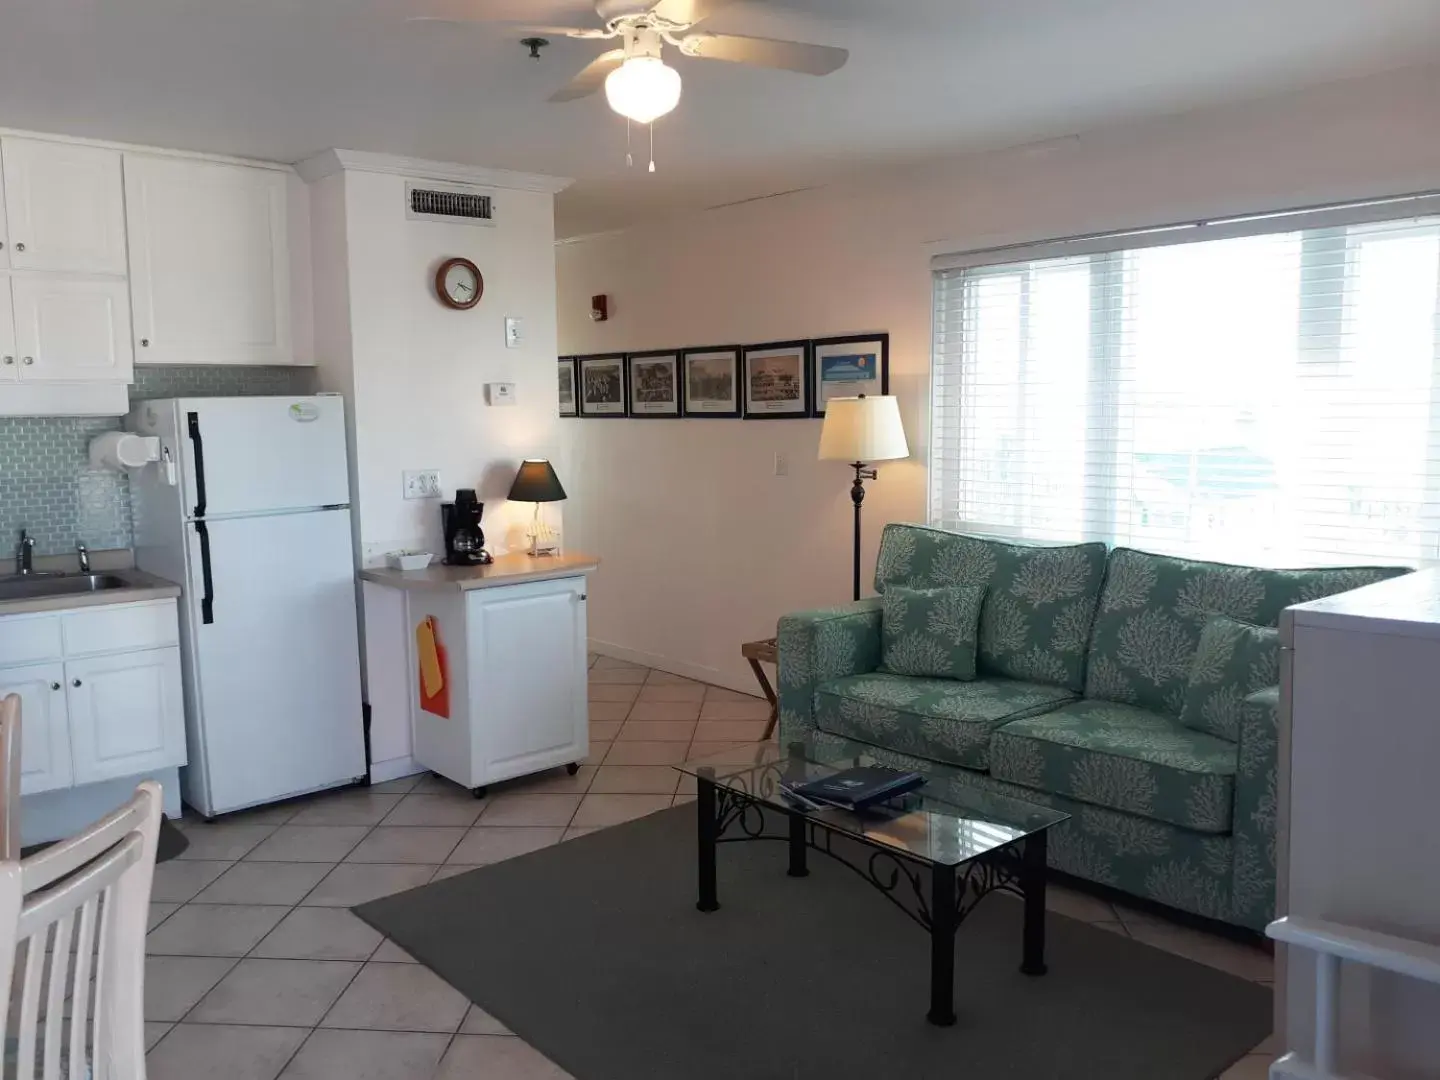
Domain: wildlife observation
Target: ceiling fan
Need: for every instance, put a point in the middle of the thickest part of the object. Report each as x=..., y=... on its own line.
x=639, y=85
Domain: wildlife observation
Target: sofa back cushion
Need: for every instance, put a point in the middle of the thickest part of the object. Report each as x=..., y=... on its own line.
x=1154, y=607
x=1039, y=600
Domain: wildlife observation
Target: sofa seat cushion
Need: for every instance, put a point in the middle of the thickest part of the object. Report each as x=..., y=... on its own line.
x=939, y=719
x=1122, y=758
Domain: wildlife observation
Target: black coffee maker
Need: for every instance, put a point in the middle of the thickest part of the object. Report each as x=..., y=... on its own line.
x=460, y=522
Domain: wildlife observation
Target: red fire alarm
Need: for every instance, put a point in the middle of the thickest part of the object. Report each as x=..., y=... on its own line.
x=599, y=307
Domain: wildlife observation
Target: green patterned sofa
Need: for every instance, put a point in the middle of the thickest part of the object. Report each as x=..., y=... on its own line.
x=1083, y=661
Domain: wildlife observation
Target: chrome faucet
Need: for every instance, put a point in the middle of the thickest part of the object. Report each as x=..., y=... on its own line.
x=83, y=554
x=25, y=554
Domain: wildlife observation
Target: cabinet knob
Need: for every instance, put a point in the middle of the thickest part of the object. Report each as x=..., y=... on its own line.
x=8, y=360
x=19, y=247
x=144, y=342
x=76, y=682
x=54, y=686
x=29, y=360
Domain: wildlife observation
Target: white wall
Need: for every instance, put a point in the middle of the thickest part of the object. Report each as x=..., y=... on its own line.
x=414, y=371
x=703, y=546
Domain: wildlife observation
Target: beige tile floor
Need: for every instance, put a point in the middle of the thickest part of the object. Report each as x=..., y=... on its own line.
x=256, y=969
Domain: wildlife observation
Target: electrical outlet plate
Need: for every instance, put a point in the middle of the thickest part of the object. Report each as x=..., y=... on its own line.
x=422, y=483
x=782, y=465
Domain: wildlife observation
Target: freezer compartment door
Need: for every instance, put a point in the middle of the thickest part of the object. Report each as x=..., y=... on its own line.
x=277, y=668
x=262, y=454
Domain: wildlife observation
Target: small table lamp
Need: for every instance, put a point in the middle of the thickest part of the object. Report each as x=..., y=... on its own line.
x=536, y=482
x=861, y=430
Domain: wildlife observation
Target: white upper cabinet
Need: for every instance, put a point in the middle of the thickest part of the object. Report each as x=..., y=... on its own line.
x=70, y=329
x=64, y=206
x=9, y=358
x=209, y=262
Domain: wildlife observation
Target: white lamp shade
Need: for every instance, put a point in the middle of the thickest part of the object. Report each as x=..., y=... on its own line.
x=643, y=88
x=863, y=429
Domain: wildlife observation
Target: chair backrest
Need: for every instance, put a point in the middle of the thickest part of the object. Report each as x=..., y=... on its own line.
x=10, y=778
x=74, y=910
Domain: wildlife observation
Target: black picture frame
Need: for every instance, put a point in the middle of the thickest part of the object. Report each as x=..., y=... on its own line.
x=567, y=363
x=590, y=413
x=752, y=352
x=639, y=410
x=817, y=358
x=714, y=351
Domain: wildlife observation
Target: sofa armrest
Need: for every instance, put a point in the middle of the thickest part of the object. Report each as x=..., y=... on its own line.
x=819, y=645
x=1256, y=810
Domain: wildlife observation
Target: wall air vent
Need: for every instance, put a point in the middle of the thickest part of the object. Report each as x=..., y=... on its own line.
x=449, y=202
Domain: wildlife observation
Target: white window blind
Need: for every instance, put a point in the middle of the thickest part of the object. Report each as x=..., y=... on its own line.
x=1270, y=399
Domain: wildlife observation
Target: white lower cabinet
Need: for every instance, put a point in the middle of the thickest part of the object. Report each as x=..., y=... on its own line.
x=100, y=692
x=513, y=671
x=44, y=725
x=126, y=714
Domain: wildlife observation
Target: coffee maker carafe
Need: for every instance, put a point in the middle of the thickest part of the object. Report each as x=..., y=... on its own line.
x=460, y=522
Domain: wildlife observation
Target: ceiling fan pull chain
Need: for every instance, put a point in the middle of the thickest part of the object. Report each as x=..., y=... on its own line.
x=652, y=145
x=629, y=160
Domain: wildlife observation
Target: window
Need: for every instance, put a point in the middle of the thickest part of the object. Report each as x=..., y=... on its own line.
x=1270, y=399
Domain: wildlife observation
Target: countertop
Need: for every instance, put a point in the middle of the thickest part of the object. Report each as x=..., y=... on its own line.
x=505, y=570
x=138, y=586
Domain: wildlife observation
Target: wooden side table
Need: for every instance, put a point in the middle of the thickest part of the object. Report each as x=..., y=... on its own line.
x=764, y=652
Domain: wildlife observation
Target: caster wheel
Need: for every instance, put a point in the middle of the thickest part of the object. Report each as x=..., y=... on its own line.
x=573, y=768
x=479, y=792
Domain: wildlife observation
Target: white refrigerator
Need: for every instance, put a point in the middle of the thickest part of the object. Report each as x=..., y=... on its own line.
x=249, y=509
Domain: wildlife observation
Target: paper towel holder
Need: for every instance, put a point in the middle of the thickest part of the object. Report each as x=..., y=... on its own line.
x=123, y=450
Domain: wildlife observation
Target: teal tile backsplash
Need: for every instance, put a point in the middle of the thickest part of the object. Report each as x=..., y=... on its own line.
x=47, y=485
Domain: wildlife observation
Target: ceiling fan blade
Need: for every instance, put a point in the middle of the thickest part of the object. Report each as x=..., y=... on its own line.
x=591, y=77
x=766, y=52
x=688, y=12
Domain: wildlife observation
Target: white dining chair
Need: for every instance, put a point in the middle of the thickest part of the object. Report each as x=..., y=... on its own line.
x=10, y=777
x=75, y=909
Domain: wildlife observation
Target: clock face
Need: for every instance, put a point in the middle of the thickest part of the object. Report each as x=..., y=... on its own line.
x=459, y=283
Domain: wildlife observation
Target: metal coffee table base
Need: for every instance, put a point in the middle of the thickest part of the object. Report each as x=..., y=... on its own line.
x=938, y=897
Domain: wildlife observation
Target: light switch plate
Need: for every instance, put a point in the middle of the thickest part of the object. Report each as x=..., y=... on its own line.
x=422, y=483
x=500, y=393
x=514, y=332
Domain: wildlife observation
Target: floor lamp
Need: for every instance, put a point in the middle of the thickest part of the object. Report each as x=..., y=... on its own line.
x=862, y=430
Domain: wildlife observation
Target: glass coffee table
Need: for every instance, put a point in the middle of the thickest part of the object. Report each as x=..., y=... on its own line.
x=934, y=857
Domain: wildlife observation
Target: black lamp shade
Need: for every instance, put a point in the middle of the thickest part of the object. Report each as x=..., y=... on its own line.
x=536, y=482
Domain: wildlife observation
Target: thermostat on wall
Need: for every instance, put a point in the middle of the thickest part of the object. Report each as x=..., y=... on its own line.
x=500, y=393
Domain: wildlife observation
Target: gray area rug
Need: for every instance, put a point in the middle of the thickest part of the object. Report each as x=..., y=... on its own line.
x=592, y=951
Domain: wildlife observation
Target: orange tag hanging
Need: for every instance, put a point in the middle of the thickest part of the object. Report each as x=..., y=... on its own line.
x=434, y=668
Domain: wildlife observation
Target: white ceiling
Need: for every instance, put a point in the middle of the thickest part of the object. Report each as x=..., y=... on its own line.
x=282, y=79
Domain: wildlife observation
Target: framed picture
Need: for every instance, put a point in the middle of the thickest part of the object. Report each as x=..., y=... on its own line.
x=777, y=380
x=568, y=398
x=602, y=385
x=654, y=384
x=712, y=382
x=849, y=367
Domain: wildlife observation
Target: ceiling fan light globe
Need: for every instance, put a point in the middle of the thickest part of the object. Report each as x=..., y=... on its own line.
x=643, y=88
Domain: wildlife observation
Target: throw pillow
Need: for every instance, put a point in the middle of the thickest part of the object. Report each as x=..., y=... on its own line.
x=1234, y=660
x=931, y=632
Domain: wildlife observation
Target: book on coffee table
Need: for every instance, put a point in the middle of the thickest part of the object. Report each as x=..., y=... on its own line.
x=860, y=787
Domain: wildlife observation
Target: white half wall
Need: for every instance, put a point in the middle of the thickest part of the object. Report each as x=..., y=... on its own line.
x=704, y=547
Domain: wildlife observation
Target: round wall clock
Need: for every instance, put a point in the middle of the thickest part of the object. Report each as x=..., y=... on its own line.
x=458, y=283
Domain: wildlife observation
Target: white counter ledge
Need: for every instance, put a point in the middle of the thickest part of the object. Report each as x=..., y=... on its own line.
x=505, y=570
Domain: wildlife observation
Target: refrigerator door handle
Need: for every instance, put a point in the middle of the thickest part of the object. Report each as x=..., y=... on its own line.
x=193, y=420
x=207, y=600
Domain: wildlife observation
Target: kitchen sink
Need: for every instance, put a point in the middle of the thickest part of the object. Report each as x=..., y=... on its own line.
x=39, y=586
